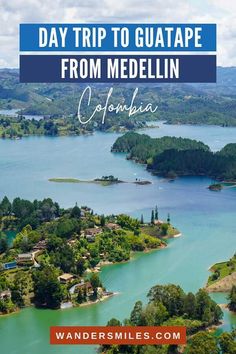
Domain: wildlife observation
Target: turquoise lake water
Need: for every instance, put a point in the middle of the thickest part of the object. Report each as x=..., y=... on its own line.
x=206, y=220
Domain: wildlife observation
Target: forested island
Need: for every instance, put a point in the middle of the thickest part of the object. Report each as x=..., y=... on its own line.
x=57, y=253
x=172, y=157
x=169, y=305
x=215, y=187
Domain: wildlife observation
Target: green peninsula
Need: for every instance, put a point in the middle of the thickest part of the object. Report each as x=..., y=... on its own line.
x=223, y=276
x=169, y=305
x=57, y=253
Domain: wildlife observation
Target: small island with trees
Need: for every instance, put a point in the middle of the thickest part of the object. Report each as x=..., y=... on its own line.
x=56, y=254
x=103, y=181
x=215, y=187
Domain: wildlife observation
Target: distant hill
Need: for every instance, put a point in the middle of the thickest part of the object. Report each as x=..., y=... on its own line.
x=177, y=103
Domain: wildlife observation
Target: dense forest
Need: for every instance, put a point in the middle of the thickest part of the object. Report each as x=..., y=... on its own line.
x=143, y=148
x=169, y=305
x=50, y=241
x=171, y=156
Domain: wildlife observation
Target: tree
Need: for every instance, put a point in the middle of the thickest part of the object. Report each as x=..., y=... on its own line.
x=6, y=306
x=155, y=314
x=80, y=266
x=5, y=206
x=156, y=213
x=227, y=343
x=66, y=227
x=190, y=305
x=232, y=299
x=19, y=288
x=48, y=209
x=3, y=243
x=164, y=229
x=22, y=208
x=173, y=349
x=152, y=217
x=168, y=219
x=63, y=257
x=202, y=302
x=207, y=316
x=75, y=212
x=206, y=309
x=47, y=289
x=102, y=220
x=114, y=322
x=80, y=296
x=171, y=296
x=127, y=222
x=153, y=349
x=50, y=128
x=136, y=314
x=95, y=282
x=26, y=239
x=217, y=312
x=202, y=343
x=141, y=220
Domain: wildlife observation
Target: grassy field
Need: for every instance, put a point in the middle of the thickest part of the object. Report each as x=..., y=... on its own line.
x=65, y=180
x=76, y=180
x=156, y=230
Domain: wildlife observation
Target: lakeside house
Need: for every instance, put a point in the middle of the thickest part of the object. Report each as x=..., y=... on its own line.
x=158, y=222
x=65, y=278
x=84, y=211
x=84, y=286
x=41, y=245
x=97, y=269
x=25, y=259
x=112, y=226
x=5, y=295
x=86, y=256
x=71, y=242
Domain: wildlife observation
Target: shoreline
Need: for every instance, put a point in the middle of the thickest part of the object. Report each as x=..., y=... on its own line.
x=103, y=264
x=18, y=310
x=214, y=327
x=103, y=298
x=177, y=235
x=87, y=303
x=133, y=253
